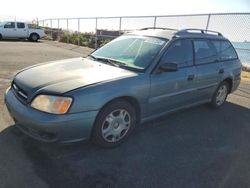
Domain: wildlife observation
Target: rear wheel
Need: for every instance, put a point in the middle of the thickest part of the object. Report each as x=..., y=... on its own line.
x=220, y=95
x=114, y=124
x=1, y=37
x=34, y=37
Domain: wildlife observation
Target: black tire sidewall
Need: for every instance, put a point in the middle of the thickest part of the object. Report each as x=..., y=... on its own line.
x=31, y=37
x=213, y=102
x=97, y=137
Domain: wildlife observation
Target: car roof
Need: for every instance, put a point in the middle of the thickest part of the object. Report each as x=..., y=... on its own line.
x=160, y=33
x=168, y=33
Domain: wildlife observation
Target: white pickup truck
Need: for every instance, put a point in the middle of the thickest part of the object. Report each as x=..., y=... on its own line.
x=20, y=30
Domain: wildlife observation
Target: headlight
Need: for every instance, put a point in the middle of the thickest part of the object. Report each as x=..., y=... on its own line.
x=52, y=104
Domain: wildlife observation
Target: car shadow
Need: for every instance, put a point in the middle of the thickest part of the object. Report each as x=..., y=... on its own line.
x=198, y=147
x=18, y=40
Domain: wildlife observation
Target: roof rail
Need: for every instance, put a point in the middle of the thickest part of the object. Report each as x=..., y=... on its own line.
x=203, y=31
x=163, y=28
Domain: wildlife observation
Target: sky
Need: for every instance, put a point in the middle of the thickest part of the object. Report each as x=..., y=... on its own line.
x=236, y=28
x=30, y=9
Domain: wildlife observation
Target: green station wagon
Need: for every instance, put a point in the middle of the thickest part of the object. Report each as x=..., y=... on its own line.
x=137, y=77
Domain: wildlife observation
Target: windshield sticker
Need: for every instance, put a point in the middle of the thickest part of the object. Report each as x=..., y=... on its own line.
x=154, y=41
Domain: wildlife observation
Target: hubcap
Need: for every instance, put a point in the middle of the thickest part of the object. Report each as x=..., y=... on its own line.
x=116, y=125
x=221, y=95
x=34, y=37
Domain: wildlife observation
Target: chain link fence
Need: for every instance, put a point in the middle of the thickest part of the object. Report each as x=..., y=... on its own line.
x=94, y=31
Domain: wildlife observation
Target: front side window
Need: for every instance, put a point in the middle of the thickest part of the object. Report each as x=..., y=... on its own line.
x=179, y=52
x=225, y=50
x=204, y=52
x=20, y=25
x=9, y=25
x=132, y=51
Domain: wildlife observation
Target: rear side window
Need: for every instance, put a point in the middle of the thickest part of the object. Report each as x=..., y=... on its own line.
x=9, y=25
x=204, y=52
x=179, y=52
x=20, y=25
x=225, y=50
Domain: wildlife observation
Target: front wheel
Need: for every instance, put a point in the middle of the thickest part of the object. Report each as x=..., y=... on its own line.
x=220, y=95
x=114, y=124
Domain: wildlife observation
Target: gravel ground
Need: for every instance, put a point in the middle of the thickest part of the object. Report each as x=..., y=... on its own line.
x=198, y=147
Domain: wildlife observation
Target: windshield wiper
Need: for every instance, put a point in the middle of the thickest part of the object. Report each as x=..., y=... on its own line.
x=109, y=61
x=112, y=62
x=92, y=57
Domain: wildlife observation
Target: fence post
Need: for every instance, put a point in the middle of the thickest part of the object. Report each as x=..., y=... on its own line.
x=120, y=25
x=51, y=29
x=78, y=31
x=208, y=20
x=58, y=30
x=155, y=18
x=67, y=30
x=96, y=44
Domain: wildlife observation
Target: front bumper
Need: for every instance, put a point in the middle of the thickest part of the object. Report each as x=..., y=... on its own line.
x=49, y=127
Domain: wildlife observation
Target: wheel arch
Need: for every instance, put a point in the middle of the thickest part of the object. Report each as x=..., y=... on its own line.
x=35, y=34
x=131, y=100
x=230, y=82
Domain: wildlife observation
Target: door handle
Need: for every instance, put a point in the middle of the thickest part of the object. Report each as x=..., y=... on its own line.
x=190, y=77
x=221, y=71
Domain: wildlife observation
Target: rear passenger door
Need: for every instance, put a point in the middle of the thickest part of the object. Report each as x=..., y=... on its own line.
x=21, y=30
x=208, y=67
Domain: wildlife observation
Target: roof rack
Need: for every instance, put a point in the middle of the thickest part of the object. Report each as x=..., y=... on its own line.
x=203, y=31
x=163, y=28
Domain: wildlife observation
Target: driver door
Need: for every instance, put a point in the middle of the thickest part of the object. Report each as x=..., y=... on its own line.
x=173, y=90
x=9, y=30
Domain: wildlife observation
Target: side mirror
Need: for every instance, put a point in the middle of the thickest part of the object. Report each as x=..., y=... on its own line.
x=168, y=67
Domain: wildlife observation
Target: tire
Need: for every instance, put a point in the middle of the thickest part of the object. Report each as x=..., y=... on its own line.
x=114, y=124
x=1, y=37
x=34, y=37
x=220, y=95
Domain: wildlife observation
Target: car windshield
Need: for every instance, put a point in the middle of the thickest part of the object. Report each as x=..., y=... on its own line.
x=129, y=51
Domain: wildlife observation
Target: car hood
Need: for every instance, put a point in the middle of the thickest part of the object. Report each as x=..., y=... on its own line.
x=62, y=76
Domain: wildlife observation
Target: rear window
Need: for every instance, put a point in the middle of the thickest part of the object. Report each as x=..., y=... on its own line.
x=205, y=52
x=225, y=50
x=20, y=25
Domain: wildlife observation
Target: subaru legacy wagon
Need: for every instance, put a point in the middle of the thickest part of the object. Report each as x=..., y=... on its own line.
x=136, y=77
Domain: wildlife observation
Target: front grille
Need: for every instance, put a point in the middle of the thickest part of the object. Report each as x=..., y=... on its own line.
x=20, y=93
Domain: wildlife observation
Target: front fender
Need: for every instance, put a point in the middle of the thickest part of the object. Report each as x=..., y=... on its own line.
x=94, y=97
